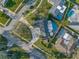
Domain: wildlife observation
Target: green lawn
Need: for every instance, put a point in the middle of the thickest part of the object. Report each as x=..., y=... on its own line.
x=52, y=52
x=77, y=1
x=13, y=4
x=23, y=31
x=3, y=18
x=44, y=46
x=41, y=11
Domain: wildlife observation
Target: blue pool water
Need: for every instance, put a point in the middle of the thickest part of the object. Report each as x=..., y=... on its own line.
x=59, y=17
x=70, y=13
x=55, y=27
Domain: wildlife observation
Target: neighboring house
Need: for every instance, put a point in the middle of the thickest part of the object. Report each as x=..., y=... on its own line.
x=58, y=9
x=74, y=18
x=74, y=14
x=66, y=44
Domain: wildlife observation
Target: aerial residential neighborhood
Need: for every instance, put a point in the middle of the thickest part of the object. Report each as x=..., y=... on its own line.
x=39, y=29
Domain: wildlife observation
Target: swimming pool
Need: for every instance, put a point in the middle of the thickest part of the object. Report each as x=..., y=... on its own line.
x=55, y=26
x=70, y=13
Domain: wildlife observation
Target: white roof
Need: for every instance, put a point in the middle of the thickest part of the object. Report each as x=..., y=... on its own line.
x=66, y=35
x=64, y=8
x=50, y=26
x=61, y=8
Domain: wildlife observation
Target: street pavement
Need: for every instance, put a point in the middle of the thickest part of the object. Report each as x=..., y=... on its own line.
x=16, y=18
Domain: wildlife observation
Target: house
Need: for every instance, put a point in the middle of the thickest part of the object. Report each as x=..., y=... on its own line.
x=50, y=28
x=61, y=8
x=66, y=44
x=58, y=9
x=74, y=14
x=73, y=18
x=47, y=28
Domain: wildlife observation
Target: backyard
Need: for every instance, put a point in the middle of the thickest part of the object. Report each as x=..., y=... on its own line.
x=12, y=4
x=3, y=18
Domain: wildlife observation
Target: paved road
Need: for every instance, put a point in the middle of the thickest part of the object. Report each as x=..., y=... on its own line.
x=14, y=21
x=15, y=18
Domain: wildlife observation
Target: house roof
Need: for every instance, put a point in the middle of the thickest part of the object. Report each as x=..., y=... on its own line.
x=65, y=45
x=61, y=8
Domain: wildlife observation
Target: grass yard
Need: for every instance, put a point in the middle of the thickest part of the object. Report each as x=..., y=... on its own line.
x=41, y=11
x=23, y=32
x=12, y=4
x=44, y=46
x=3, y=18
x=52, y=53
x=77, y=1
